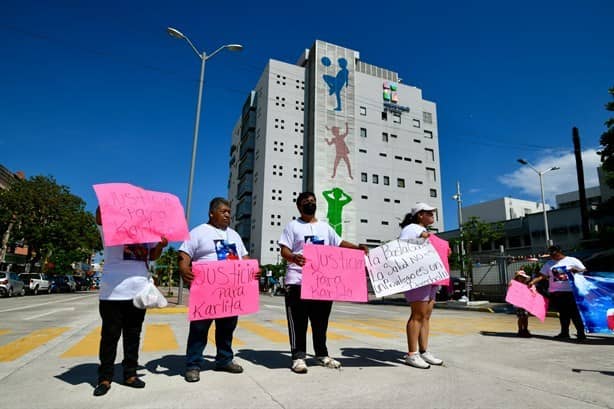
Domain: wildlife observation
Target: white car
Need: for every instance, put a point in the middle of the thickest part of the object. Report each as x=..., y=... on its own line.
x=35, y=283
x=10, y=284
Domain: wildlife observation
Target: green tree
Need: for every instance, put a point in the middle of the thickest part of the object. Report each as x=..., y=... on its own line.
x=607, y=144
x=168, y=263
x=478, y=232
x=50, y=220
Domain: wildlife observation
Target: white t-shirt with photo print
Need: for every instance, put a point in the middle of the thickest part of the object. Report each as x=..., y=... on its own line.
x=208, y=243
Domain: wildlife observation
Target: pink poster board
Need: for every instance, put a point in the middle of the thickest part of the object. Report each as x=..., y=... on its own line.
x=334, y=274
x=443, y=249
x=223, y=289
x=522, y=296
x=133, y=215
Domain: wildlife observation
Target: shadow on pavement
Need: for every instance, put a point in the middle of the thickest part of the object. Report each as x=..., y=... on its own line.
x=590, y=339
x=269, y=359
x=358, y=357
x=174, y=365
x=578, y=370
x=88, y=373
x=499, y=334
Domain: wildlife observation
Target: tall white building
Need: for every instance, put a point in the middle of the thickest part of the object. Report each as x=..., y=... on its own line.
x=352, y=133
x=504, y=208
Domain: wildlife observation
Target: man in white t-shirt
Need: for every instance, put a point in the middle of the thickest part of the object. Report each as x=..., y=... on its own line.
x=211, y=241
x=555, y=271
x=297, y=233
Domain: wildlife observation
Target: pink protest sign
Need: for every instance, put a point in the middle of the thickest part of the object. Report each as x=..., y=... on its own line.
x=443, y=249
x=133, y=215
x=334, y=274
x=521, y=296
x=223, y=289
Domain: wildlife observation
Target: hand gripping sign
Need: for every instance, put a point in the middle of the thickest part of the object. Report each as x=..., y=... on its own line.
x=133, y=215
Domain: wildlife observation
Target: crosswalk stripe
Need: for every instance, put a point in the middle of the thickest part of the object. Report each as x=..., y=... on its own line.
x=236, y=342
x=159, y=337
x=22, y=346
x=5, y=331
x=264, y=331
x=360, y=330
x=87, y=346
x=329, y=334
x=167, y=310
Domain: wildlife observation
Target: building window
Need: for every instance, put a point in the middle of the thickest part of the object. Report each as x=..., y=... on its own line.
x=433, y=192
x=430, y=154
x=417, y=141
x=363, y=177
x=364, y=221
x=428, y=134
x=427, y=117
x=386, y=180
x=383, y=155
x=364, y=197
x=386, y=200
x=375, y=179
x=397, y=201
x=431, y=174
x=384, y=116
x=363, y=111
x=393, y=136
x=419, y=182
x=384, y=137
x=400, y=182
x=385, y=223
x=362, y=150
x=396, y=118
x=416, y=123
x=363, y=132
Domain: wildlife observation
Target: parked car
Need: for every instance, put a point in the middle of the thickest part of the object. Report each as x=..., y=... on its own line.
x=35, y=282
x=456, y=290
x=10, y=284
x=63, y=283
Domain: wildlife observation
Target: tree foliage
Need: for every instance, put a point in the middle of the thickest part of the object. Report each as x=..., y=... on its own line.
x=477, y=231
x=50, y=220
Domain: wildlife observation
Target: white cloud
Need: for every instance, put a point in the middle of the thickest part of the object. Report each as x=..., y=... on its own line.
x=555, y=182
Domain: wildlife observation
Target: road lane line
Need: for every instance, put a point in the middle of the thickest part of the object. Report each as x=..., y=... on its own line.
x=49, y=313
x=88, y=346
x=159, y=337
x=27, y=307
x=33, y=340
x=363, y=331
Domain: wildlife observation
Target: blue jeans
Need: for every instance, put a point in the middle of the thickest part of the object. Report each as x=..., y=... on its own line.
x=197, y=340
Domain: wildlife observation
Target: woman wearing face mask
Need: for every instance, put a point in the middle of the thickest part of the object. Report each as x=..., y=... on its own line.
x=307, y=230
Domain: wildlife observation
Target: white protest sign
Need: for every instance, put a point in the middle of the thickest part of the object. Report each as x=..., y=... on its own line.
x=402, y=265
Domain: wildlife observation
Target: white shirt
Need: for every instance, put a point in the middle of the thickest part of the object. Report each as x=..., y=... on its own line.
x=208, y=243
x=412, y=231
x=558, y=278
x=296, y=234
x=123, y=276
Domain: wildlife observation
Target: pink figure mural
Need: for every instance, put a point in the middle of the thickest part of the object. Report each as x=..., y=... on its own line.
x=341, y=148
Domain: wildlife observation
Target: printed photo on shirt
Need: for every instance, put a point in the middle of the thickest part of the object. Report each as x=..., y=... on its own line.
x=226, y=250
x=313, y=240
x=135, y=252
x=559, y=274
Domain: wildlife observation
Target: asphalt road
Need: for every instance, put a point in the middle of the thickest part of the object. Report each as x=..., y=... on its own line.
x=48, y=359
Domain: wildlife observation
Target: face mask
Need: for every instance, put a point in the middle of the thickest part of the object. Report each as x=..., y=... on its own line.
x=309, y=209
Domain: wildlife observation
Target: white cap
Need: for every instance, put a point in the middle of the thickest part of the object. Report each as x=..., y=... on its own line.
x=522, y=273
x=419, y=207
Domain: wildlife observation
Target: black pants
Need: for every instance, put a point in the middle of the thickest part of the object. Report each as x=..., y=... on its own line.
x=119, y=318
x=197, y=341
x=565, y=304
x=298, y=313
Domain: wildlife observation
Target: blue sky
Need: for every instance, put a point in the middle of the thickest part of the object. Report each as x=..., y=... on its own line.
x=95, y=92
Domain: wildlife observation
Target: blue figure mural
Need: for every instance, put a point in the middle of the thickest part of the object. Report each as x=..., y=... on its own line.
x=336, y=83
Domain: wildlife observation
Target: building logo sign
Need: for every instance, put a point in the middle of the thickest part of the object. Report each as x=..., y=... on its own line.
x=391, y=98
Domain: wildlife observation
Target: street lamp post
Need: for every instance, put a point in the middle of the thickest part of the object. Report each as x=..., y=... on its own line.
x=459, y=203
x=541, y=186
x=203, y=59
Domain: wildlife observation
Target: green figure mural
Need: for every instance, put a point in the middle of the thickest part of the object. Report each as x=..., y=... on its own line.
x=336, y=199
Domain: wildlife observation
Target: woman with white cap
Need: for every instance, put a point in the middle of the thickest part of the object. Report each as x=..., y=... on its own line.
x=421, y=299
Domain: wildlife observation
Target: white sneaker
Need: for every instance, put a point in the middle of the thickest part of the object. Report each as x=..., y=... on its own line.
x=328, y=362
x=416, y=361
x=299, y=366
x=431, y=359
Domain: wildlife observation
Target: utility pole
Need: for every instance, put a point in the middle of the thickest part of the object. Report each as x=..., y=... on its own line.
x=459, y=203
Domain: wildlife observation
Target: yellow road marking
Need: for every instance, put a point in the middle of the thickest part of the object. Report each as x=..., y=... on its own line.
x=264, y=331
x=236, y=342
x=159, y=337
x=167, y=310
x=4, y=331
x=22, y=346
x=88, y=346
x=329, y=334
x=359, y=330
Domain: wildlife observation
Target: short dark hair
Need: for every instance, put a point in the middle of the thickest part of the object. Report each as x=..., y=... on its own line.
x=217, y=202
x=303, y=196
x=555, y=249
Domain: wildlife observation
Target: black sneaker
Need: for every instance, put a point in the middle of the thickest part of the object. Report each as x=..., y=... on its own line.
x=134, y=382
x=192, y=375
x=230, y=367
x=561, y=336
x=102, y=388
